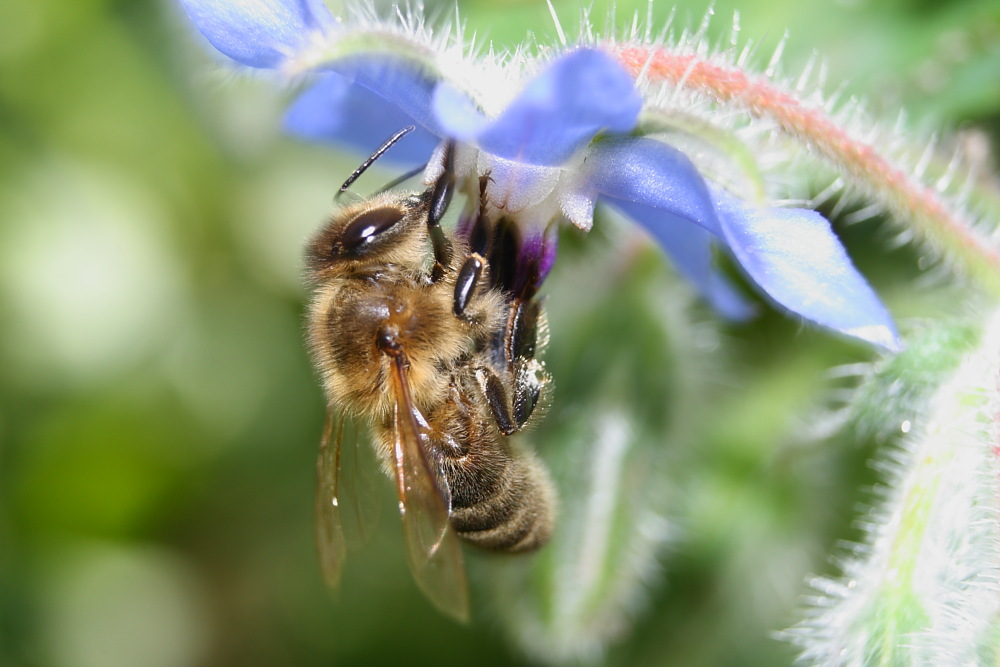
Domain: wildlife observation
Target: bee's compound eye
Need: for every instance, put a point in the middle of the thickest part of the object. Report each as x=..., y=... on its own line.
x=369, y=225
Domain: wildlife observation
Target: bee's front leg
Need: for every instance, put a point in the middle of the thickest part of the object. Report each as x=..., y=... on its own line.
x=440, y=198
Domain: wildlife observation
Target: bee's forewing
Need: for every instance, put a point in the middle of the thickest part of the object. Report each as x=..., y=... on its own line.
x=347, y=504
x=329, y=529
x=358, y=485
x=424, y=503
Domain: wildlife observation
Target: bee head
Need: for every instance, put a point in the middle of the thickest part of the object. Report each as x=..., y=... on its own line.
x=386, y=229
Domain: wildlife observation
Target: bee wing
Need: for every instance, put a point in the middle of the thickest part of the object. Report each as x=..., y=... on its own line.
x=424, y=503
x=346, y=506
x=329, y=528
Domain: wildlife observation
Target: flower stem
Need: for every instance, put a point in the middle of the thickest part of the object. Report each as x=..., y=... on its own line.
x=923, y=590
x=886, y=182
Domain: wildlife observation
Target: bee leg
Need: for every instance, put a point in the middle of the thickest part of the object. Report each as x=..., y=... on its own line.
x=496, y=398
x=441, y=193
x=519, y=341
x=521, y=330
x=481, y=233
x=465, y=284
x=530, y=378
x=475, y=263
x=480, y=240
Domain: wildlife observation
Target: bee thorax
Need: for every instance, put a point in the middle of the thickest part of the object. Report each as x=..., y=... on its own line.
x=358, y=327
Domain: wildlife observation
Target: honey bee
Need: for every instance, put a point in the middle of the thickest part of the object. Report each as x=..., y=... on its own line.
x=430, y=339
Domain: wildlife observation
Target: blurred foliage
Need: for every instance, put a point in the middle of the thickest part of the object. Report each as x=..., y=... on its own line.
x=159, y=416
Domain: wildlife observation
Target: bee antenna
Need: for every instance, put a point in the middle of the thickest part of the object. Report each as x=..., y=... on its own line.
x=405, y=177
x=389, y=143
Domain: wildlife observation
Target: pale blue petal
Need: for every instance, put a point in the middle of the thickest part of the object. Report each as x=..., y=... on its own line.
x=795, y=258
x=398, y=83
x=558, y=112
x=457, y=114
x=345, y=114
x=690, y=248
x=260, y=33
x=792, y=255
x=651, y=174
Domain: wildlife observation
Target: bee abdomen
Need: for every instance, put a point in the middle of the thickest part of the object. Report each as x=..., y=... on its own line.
x=517, y=516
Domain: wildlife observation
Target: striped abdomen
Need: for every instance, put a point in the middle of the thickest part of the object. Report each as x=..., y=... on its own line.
x=505, y=504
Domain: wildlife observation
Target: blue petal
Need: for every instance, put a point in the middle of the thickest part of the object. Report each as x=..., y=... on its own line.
x=397, y=82
x=690, y=248
x=260, y=33
x=457, y=114
x=795, y=258
x=791, y=254
x=561, y=110
x=651, y=174
x=336, y=111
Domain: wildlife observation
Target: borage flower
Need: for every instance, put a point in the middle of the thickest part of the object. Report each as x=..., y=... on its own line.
x=551, y=141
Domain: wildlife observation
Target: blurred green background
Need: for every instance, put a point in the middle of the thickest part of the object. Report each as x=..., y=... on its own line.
x=159, y=416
